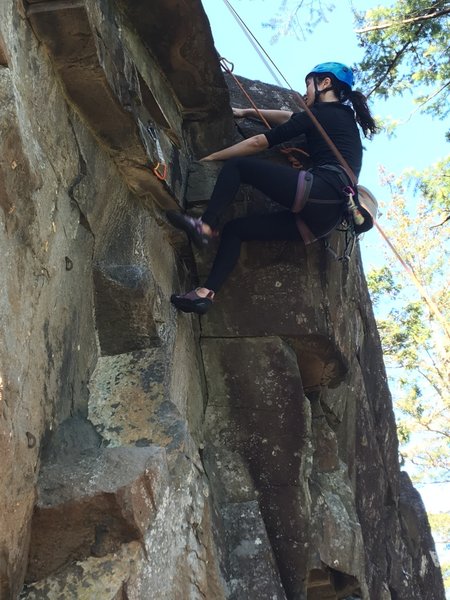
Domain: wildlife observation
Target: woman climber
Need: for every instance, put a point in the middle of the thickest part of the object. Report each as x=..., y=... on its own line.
x=313, y=200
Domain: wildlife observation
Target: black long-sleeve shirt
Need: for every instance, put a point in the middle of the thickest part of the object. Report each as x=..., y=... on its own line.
x=338, y=121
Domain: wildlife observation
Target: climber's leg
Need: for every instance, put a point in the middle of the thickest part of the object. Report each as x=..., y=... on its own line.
x=278, y=182
x=267, y=227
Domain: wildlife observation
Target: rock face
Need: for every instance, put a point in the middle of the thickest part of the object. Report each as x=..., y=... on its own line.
x=145, y=453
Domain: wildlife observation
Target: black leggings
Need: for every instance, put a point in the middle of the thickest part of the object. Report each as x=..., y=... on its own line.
x=275, y=226
x=279, y=183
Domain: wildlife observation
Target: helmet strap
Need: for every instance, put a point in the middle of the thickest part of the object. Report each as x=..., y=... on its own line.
x=318, y=92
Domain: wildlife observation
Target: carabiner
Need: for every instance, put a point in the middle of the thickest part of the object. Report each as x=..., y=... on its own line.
x=161, y=176
x=224, y=64
x=349, y=191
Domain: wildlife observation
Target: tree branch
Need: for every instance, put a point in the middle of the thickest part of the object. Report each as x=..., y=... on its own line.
x=440, y=224
x=387, y=24
x=430, y=97
x=394, y=62
x=398, y=55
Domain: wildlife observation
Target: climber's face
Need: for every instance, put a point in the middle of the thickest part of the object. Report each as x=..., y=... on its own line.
x=316, y=93
x=310, y=95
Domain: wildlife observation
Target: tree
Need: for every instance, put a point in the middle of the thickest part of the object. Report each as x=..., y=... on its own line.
x=434, y=185
x=440, y=525
x=413, y=308
x=406, y=51
x=405, y=46
x=286, y=20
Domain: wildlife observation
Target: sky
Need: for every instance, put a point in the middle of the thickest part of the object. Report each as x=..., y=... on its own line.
x=333, y=39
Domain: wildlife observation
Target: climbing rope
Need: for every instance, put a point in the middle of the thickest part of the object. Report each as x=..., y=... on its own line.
x=268, y=62
x=434, y=309
x=228, y=67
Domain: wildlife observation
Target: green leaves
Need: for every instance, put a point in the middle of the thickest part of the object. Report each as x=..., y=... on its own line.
x=381, y=282
x=403, y=333
x=433, y=183
x=415, y=345
x=406, y=51
x=297, y=18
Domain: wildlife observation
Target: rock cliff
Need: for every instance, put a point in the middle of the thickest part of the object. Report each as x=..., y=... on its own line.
x=148, y=454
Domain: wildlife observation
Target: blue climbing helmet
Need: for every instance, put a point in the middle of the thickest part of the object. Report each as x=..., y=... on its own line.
x=339, y=70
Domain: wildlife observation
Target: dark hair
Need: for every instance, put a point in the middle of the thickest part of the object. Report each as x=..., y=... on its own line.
x=357, y=100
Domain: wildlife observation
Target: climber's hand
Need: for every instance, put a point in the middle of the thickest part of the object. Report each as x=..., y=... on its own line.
x=239, y=113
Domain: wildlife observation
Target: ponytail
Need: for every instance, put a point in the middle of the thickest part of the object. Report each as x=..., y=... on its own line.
x=362, y=112
x=357, y=100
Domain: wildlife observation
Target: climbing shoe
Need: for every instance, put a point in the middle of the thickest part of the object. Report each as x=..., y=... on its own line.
x=192, y=302
x=191, y=226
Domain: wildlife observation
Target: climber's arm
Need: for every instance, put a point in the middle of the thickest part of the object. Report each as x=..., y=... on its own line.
x=274, y=117
x=252, y=145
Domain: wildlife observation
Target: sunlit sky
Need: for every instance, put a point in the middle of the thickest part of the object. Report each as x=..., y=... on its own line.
x=418, y=143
